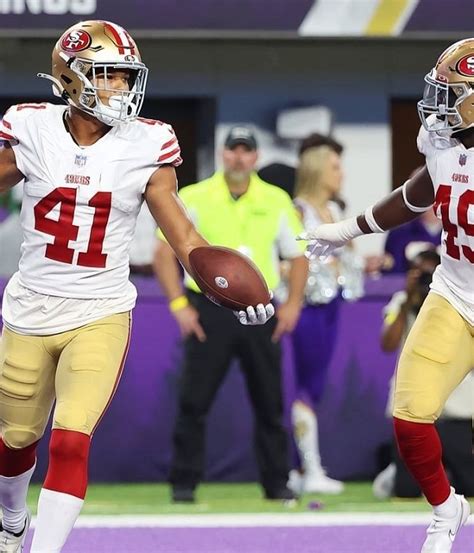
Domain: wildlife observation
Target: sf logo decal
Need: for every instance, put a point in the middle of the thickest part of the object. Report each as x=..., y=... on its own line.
x=75, y=41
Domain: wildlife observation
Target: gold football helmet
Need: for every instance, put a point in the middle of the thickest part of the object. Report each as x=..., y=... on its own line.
x=92, y=48
x=449, y=90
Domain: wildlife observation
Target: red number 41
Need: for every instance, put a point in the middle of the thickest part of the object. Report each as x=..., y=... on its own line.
x=64, y=230
x=466, y=200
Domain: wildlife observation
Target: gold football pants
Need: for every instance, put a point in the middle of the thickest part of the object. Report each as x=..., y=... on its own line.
x=79, y=369
x=438, y=354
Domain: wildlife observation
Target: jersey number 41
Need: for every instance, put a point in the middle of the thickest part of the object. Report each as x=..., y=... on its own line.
x=64, y=230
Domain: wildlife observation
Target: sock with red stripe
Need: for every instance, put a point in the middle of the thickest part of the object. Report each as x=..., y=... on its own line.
x=63, y=492
x=420, y=448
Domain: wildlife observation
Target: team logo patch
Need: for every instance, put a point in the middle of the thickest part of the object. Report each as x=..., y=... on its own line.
x=465, y=66
x=221, y=282
x=75, y=41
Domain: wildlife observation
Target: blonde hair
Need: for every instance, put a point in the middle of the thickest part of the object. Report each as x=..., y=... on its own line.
x=312, y=164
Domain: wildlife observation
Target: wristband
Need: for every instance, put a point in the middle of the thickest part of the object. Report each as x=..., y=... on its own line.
x=178, y=303
x=370, y=220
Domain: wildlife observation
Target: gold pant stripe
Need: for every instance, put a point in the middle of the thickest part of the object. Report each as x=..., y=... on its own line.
x=119, y=375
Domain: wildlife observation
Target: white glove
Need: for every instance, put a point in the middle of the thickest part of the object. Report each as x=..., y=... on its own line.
x=255, y=316
x=326, y=238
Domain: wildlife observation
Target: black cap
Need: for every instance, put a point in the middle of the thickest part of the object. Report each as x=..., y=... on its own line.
x=240, y=135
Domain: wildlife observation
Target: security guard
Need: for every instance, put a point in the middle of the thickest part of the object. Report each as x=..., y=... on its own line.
x=234, y=208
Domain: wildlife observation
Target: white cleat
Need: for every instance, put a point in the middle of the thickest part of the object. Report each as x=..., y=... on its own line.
x=384, y=482
x=295, y=482
x=314, y=482
x=14, y=543
x=442, y=531
x=319, y=482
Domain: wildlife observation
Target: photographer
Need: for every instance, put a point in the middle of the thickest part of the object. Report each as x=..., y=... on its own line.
x=454, y=425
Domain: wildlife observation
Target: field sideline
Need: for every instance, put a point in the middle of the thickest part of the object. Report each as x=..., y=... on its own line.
x=233, y=518
x=154, y=499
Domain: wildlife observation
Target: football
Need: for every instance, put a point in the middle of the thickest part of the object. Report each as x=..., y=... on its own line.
x=228, y=278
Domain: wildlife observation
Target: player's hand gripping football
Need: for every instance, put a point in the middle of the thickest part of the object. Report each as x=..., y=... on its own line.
x=257, y=315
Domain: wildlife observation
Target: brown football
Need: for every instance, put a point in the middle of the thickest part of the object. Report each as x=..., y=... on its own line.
x=228, y=277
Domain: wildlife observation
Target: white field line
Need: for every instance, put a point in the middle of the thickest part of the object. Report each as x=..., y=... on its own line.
x=254, y=520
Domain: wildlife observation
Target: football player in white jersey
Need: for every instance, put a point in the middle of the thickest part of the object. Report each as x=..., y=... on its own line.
x=87, y=167
x=439, y=351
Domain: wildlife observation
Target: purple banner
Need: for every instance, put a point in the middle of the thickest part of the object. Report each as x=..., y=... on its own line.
x=247, y=15
x=441, y=16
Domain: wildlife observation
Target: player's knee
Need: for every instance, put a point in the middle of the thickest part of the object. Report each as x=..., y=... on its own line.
x=72, y=416
x=418, y=409
x=69, y=445
x=19, y=438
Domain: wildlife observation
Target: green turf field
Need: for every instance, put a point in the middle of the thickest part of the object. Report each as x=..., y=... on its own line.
x=107, y=499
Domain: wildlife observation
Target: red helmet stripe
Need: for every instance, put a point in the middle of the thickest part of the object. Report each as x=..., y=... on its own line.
x=116, y=36
x=6, y=124
x=130, y=42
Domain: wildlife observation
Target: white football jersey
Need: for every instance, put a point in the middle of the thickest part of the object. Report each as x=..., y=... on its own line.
x=80, y=204
x=451, y=167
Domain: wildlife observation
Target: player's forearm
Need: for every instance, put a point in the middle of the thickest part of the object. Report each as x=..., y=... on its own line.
x=166, y=269
x=401, y=206
x=388, y=213
x=297, y=279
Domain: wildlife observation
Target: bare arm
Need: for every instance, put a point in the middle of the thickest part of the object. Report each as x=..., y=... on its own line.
x=9, y=174
x=392, y=211
x=392, y=333
x=162, y=198
x=168, y=274
x=297, y=279
x=166, y=268
x=288, y=313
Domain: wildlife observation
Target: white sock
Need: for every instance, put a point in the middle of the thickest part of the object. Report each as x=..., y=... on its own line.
x=13, y=491
x=57, y=513
x=448, y=508
x=305, y=429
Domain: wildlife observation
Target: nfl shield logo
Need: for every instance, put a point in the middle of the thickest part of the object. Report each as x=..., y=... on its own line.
x=462, y=159
x=80, y=160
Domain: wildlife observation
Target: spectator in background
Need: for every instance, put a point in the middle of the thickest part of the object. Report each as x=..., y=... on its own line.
x=318, y=181
x=284, y=176
x=454, y=425
x=234, y=208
